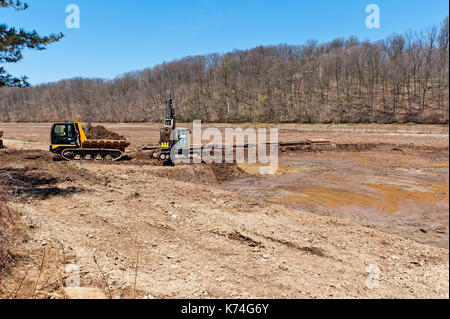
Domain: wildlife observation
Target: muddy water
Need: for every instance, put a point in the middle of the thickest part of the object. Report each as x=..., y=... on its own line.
x=406, y=194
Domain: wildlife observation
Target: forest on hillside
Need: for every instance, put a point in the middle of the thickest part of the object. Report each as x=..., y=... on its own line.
x=403, y=78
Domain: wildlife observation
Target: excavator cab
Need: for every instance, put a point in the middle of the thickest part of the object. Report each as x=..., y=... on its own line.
x=63, y=135
x=171, y=136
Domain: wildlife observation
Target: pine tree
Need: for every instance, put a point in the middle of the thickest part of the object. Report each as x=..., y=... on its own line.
x=13, y=42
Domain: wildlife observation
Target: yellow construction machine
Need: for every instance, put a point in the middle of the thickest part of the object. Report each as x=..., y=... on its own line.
x=70, y=142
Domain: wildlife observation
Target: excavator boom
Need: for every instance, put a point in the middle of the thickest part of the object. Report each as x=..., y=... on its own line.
x=170, y=119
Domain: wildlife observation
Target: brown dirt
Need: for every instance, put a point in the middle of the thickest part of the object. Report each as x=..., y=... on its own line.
x=332, y=147
x=102, y=133
x=201, y=173
x=200, y=238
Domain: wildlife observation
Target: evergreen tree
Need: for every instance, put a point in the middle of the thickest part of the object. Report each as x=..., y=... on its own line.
x=13, y=42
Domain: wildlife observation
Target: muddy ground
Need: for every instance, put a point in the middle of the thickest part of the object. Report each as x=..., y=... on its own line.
x=401, y=190
x=331, y=224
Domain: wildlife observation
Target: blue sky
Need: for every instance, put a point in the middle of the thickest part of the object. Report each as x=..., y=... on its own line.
x=119, y=36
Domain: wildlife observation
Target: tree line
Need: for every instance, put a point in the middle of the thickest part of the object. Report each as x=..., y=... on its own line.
x=403, y=78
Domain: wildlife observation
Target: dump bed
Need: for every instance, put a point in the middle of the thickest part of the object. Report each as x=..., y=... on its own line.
x=107, y=144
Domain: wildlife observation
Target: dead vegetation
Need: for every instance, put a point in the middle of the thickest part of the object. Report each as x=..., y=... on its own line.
x=6, y=226
x=10, y=232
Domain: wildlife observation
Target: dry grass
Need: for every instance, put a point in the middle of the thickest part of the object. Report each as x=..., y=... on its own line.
x=6, y=227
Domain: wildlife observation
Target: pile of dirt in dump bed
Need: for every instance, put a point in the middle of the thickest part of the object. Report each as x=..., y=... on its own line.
x=102, y=133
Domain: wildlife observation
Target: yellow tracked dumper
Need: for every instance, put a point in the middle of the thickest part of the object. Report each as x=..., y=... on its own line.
x=70, y=142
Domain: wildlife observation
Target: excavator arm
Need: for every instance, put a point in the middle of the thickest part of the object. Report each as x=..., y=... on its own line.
x=167, y=140
x=170, y=119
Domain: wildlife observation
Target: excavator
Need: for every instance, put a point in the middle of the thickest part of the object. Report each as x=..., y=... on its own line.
x=170, y=135
x=70, y=142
